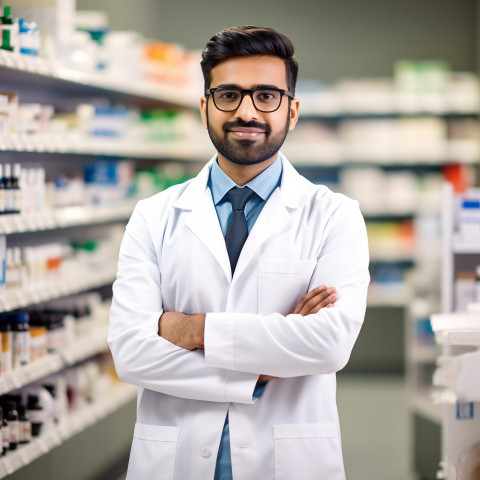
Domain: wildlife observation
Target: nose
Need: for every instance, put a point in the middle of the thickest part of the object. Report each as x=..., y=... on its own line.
x=246, y=110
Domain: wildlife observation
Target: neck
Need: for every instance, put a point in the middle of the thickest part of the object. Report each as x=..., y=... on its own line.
x=242, y=174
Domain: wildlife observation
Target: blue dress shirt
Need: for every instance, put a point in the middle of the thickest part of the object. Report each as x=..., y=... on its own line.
x=263, y=185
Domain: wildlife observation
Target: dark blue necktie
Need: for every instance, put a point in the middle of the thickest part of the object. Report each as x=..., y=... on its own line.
x=237, y=231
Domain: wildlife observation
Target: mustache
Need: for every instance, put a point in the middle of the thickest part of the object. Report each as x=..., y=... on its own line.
x=252, y=124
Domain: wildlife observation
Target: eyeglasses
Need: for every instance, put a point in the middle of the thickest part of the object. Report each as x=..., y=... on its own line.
x=266, y=100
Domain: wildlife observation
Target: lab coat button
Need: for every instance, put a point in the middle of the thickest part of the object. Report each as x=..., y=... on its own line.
x=205, y=452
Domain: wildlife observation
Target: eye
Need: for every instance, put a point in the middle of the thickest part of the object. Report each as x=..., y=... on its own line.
x=267, y=96
x=227, y=95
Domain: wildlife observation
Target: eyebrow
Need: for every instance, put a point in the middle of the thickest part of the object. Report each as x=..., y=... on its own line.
x=234, y=85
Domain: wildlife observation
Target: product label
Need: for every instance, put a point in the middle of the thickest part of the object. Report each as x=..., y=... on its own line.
x=25, y=432
x=9, y=200
x=36, y=416
x=7, y=361
x=465, y=411
x=14, y=427
x=21, y=348
x=2, y=200
x=5, y=436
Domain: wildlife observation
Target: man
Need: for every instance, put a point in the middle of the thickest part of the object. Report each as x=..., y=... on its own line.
x=217, y=309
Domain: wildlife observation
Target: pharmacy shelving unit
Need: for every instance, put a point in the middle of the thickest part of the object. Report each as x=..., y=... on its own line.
x=38, y=80
x=458, y=333
x=418, y=294
x=458, y=395
x=445, y=403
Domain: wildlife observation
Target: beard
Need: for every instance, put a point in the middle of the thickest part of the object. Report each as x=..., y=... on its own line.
x=246, y=152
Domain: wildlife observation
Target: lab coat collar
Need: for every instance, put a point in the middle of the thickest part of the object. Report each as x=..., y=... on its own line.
x=203, y=221
x=293, y=187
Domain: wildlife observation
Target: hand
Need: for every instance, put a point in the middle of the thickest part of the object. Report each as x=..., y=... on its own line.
x=185, y=331
x=312, y=302
x=320, y=297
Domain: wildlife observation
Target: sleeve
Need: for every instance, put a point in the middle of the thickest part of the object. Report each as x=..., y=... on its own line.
x=295, y=345
x=140, y=355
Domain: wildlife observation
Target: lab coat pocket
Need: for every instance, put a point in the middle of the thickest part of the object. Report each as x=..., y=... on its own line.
x=282, y=283
x=153, y=452
x=308, y=452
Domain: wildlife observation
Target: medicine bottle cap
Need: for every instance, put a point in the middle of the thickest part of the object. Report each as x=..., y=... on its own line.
x=22, y=317
x=4, y=323
x=7, y=19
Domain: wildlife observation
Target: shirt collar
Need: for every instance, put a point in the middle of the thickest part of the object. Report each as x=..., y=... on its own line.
x=263, y=184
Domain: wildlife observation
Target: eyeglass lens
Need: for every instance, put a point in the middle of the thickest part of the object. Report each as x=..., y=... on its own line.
x=229, y=99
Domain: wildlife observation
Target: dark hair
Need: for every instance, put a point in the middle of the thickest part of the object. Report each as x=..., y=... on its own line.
x=249, y=40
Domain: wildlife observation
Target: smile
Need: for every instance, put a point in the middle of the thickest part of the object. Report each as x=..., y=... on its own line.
x=247, y=133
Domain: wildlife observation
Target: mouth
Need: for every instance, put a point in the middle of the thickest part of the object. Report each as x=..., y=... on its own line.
x=246, y=133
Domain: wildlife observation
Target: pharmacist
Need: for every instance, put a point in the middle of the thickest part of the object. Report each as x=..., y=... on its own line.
x=217, y=310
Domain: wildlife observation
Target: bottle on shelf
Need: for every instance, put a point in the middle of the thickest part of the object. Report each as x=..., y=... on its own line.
x=16, y=192
x=5, y=433
x=13, y=425
x=7, y=26
x=9, y=193
x=21, y=338
x=36, y=414
x=25, y=425
x=6, y=331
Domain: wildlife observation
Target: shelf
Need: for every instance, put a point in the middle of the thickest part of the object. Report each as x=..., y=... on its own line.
x=64, y=218
x=16, y=68
x=55, y=288
x=83, y=347
x=76, y=422
x=457, y=328
x=302, y=154
x=330, y=154
x=72, y=144
x=466, y=248
x=331, y=104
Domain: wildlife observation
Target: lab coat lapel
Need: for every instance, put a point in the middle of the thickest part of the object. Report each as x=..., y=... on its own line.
x=272, y=218
x=202, y=219
x=275, y=214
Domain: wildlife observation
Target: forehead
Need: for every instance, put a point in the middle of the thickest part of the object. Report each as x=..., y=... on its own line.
x=250, y=71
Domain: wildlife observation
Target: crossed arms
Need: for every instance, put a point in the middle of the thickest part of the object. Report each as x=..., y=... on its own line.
x=244, y=344
x=187, y=331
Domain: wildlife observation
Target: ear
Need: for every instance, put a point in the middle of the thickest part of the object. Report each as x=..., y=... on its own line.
x=203, y=111
x=294, y=110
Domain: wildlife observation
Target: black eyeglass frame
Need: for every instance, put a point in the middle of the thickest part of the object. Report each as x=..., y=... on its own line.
x=243, y=92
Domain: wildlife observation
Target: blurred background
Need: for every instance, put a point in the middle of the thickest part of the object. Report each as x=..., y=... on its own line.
x=99, y=108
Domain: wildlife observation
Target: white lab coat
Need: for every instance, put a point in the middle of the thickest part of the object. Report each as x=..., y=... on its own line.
x=173, y=258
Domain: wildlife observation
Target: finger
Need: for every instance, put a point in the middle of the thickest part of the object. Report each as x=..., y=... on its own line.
x=308, y=296
x=319, y=301
x=330, y=300
x=315, y=301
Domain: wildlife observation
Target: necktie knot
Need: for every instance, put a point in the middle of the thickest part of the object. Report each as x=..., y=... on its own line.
x=239, y=197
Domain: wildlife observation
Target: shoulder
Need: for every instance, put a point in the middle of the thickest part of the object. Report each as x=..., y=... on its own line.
x=152, y=212
x=317, y=198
